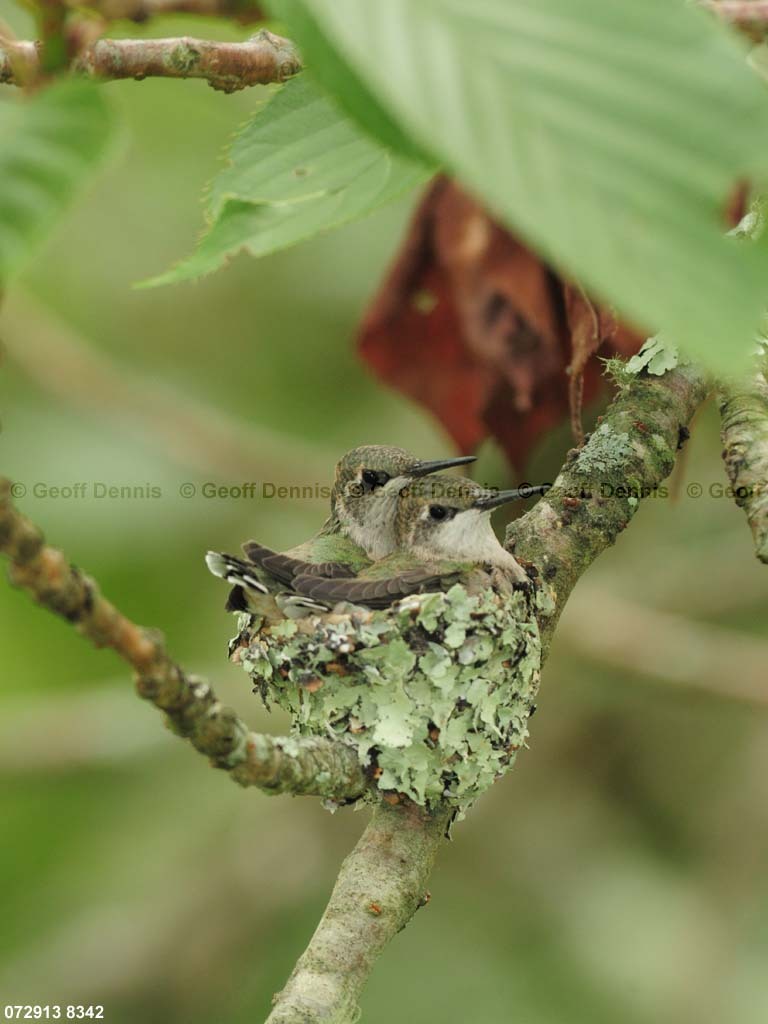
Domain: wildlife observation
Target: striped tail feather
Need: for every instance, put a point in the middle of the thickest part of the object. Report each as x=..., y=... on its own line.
x=249, y=594
x=234, y=571
x=240, y=574
x=296, y=606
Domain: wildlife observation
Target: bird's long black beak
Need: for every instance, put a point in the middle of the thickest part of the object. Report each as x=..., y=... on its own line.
x=503, y=497
x=426, y=468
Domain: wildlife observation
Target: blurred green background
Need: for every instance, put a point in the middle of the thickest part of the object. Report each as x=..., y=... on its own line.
x=618, y=873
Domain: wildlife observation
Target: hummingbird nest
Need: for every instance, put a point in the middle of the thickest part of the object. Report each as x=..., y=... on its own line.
x=434, y=692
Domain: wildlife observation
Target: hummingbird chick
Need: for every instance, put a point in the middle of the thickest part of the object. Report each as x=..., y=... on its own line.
x=443, y=535
x=361, y=527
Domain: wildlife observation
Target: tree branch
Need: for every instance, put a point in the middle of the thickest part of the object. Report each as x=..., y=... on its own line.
x=598, y=490
x=263, y=59
x=305, y=766
x=313, y=766
x=744, y=433
x=381, y=885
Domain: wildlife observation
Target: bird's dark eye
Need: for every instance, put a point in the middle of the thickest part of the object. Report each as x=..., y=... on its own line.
x=438, y=512
x=372, y=479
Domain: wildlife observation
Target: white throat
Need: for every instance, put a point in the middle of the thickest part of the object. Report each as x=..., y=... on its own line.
x=376, y=535
x=469, y=537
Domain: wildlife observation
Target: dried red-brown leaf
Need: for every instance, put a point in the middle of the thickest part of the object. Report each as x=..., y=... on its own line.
x=476, y=327
x=590, y=327
x=738, y=203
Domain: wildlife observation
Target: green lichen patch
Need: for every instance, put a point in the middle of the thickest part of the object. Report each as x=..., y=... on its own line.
x=608, y=452
x=656, y=357
x=434, y=693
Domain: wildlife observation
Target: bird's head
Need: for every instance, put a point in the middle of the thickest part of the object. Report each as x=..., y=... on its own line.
x=450, y=518
x=366, y=490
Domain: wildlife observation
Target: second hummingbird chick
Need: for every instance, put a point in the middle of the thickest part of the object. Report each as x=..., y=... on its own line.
x=361, y=526
x=444, y=536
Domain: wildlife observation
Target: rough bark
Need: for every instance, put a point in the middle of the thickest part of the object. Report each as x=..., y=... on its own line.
x=263, y=59
x=599, y=488
x=381, y=885
x=744, y=433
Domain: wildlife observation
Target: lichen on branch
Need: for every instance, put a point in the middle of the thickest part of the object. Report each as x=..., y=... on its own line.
x=601, y=485
x=744, y=431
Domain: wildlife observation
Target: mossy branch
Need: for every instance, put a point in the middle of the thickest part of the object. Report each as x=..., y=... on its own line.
x=381, y=885
x=312, y=766
x=744, y=432
x=261, y=60
x=599, y=488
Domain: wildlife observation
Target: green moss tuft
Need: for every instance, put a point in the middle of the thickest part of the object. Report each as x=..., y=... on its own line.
x=616, y=369
x=184, y=57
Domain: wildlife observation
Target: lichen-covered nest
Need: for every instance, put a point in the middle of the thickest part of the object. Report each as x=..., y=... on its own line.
x=434, y=693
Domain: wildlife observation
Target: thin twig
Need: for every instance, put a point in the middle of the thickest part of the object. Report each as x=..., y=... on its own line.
x=263, y=59
x=312, y=765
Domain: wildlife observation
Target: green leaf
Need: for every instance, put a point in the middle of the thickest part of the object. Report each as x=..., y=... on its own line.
x=299, y=167
x=610, y=135
x=49, y=145
x=338, y=78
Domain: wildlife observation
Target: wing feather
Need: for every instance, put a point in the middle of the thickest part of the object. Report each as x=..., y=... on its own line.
x=371, y=593
x=284, y=568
